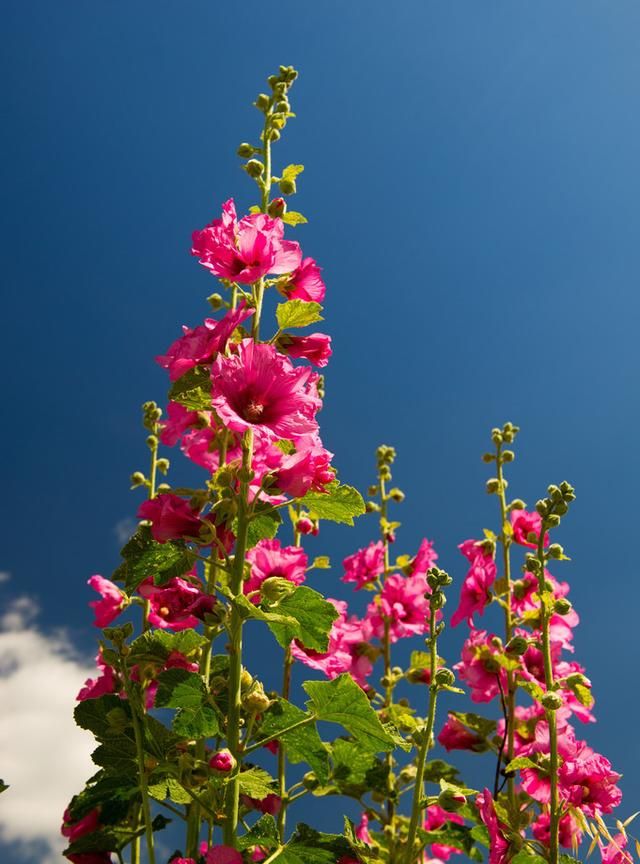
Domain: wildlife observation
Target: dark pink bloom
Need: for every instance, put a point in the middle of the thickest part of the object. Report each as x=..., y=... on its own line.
x=95, y=687
x=271, y=804
x=309, y=468
x=259, y=388
x=316, y=347
x=177, y=605
x=259, y=854
x=475, y=591
x=200, y=344
x=112, y=603
x=87, y=825
x=569, y=830
x=499, y=845
x=525, y=523
x=615, y=852
x=268, y=558
x=436, y=817
x=425, y=558
x=588, y=782
x=222, y=761
x=479, y=668
x=89, y=857
x=171, y=517
x=245, y=251
x=455, y=736
x=223, y=855
x=347, y=651
x=365, y=565
x=179, y=420
x=305, y=283
x=403, y=605
x=362, y=830
x=307, y=526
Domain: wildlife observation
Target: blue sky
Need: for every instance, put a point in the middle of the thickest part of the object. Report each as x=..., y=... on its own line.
x=472, y=188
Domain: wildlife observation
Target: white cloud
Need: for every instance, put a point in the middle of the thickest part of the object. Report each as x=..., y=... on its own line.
x=44, y=756
x=4, y=576
x=124, y=528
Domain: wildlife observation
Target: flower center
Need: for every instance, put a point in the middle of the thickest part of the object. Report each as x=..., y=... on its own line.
x=253, y=412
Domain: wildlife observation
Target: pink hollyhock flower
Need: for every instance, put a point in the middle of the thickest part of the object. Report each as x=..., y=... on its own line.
x=259, y=854
x=588, y=782
x=89, y=857
x=362, y=830
x=271, y=804
x=455, y=736
x=316, y=347
x=305, y=283
x=179, y=420
x=268, y=559
x=536, y=783
x=95, y=687
x=74, y=830
x=223, y=855
x=403, y=604
x=569, y=830
x=171, y=517
x=257, y=388
x=525, y=523
x=245, y=251
x=365, y=565
x=475, y=593
x=479, y=668
x=615, y=852
x=112, y=603
x=348, y=641
x=426, y=558
x=222, y=761
x=309, y=468
x=175, y=660
x=183, y=861
x=305, y=525
x=200, y=344
x=499, y=845
x=177, y=605
x=436, y=817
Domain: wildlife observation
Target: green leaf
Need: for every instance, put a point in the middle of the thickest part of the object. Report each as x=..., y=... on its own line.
x=117, y=756
x=481, y=835
x=107, y=717
x=200, y=721
x=298, y=313
x=520, y=762
x=263, y=527
x=157, y=645
x=357, y=770
x=264, y=833
x=112, y=794
x=256, y=783
x=476, y=722
x=179, y=688
x=438, y=769
x=247, y=609
x=193, y=389
x=168, y=787
x=291, y=172
x=321, y=562
x=337, y=504
x=313, y=615
x=569, y=859
x=302, y=744
x=292, y=217
x=524, y=857
x=3, y=786
x=312, y=847
x=144, y=557
x=343, y=701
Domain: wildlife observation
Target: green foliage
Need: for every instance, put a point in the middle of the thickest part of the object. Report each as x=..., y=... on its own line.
x=298, y=313
x=256, y=783
x=337, y=504
x=293, y=218
x=520, y=762
x=313, y=617
x=525, y=857
x=343, y=701
x=163, y=787
x=356, y=770
x=144, y=557
x=264, y=526
x=193, y=389
x=155, y=646
x=307, y=846
x=263, y=833
x=302, y=744
x=179, y=688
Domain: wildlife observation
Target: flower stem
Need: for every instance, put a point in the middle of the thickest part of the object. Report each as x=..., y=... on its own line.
x=235, y=646
x=427, y=732
x=138, y=735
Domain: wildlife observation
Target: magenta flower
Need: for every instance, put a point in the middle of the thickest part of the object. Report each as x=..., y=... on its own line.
x=403, y=605
x=112, y=603
x=200, y=344
x=171, y=517
x=569, y=831
x=362, y=830
x=95, y=687
x=365, y=565
x=499, y=845
x=87, y=825
x=268, y=559
x=479, y=668
x=455, y=736
x=247, y=250
x=177, y=605
x=89, y=857
x=475, y=591
x=436, y=817
x=525, y=523
x=271, y=804
x=179, y=420
x=305, y=283
x=615, y=852
x=222, y=761
x=223, y=855
x=589, y=783
x=316, y=347
x=257, y=388
x=309, y=467
x=426, y=557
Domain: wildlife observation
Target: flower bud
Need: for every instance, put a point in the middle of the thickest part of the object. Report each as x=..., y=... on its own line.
x=445, y=677
x=163, y=465
x=437, y=600
x=137, y=479
x=310, y=781
x=508, y=456
x=396, y=495
x=408, y=774
x=254, y=168
x=552, y=520
x=274, y=135
x=223, y=761
x=531, y=564
x=517, y=646
x=256, y=700
x=561, y=508
x=562, y=606
x=277, y=207
x=246, y=679
x=432, y=581
x=496, y=436
x=493, y=486
x=451, y=801
x=488, y=457
x=245, y=150
x=215, y=301
x=532, y=537
x=541, y=507
x=262, y=102
x=552, y=701
x=152, y=442
x=555, y=551
x=276, y=588
x=287, y=187
x=517, y=504
x=371, y=507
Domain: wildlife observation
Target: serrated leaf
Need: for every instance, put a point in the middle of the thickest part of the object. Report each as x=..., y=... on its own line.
x=321, y=562
x=107, y=717
x=263, y=527
x=292, y=217
x=117, y=756
x=144, y=557
x=179, y=688
x=193, y=389
x=264, y=833
x=356, y=769
x=313, y=616
x=291, y=172
x=342, y=701
x=338, y=504
x=524, y=857
x=519, y=763
x=248, y=609
x=302, y=744
x=298, y=313
x=313, y=847
x=157, y=645
x=476, y=722
x=200, y=721
x=111, y=793
x=481, y=835
x=168, y=787
x=256, y=783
